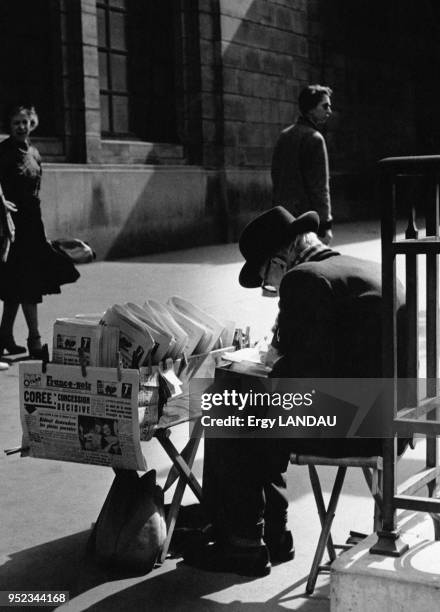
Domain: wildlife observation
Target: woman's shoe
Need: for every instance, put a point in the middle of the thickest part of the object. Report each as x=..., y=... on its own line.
x=7, y=343
x=34, y=347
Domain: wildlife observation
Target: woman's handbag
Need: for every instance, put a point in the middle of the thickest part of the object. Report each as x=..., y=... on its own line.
x=78, y=251
x=131, y=530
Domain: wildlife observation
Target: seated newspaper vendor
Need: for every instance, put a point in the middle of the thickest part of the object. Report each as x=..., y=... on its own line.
x=328, y=326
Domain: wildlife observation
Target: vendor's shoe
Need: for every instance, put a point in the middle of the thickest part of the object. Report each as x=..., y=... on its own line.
x=226, y=557
x=34, y=347
x=7, y=343
x=185, y=538
x=3, y=366
x=280, y=546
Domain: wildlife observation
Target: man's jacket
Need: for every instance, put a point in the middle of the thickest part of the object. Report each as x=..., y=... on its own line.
x=330, y=326
x=300, y=171
x=330, y=319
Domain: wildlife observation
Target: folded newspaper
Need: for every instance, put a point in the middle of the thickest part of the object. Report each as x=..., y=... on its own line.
x=99, y=343
x=69, y=417
x=212, y=329
x=136, y=344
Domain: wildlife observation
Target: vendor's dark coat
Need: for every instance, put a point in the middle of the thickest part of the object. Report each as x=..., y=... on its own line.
x=330, y=326
x=330, y=319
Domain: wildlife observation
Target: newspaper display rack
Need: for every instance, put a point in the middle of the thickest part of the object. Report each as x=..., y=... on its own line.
x=117, y=380
x=100, y=415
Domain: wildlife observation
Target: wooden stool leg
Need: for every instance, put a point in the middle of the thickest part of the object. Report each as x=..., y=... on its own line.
x=317, y=492
x=325, y=532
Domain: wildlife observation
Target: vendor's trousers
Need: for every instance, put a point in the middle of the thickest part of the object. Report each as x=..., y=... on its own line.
x=243, y=486
x=243, y=481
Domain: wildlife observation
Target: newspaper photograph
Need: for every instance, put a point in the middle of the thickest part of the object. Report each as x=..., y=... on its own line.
x=86, y=419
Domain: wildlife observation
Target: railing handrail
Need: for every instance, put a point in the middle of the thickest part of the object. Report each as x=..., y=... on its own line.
x=410, y=163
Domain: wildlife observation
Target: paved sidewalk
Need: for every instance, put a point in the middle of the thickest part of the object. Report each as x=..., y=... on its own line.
x=47, y=507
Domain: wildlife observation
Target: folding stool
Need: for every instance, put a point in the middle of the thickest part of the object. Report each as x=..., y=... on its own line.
x=372, y=469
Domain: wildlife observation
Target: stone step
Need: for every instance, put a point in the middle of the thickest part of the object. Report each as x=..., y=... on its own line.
x=362, y=582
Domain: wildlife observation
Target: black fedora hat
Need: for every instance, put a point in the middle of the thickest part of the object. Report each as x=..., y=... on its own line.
x=265, y=235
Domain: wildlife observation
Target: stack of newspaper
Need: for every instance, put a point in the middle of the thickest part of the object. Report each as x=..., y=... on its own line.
x=154, y=332
x=193, y=330
x=136, y=343
x=98, y=344
x=144, y=335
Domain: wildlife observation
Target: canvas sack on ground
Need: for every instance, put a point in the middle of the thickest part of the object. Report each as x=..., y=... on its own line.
x=130, y=530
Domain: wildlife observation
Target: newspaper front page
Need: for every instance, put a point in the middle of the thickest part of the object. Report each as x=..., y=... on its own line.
x=87, y=419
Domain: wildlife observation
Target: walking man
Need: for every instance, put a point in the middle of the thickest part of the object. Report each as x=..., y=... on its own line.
x=300, y=169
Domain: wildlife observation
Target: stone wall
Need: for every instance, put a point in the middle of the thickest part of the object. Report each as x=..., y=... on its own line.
x=265, y=63
x=254, y=60
x=124, y=211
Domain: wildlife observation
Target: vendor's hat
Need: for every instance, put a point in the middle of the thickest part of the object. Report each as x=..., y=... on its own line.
x=265, y=235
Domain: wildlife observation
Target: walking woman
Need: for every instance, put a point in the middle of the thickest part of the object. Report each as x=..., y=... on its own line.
x=32, y=268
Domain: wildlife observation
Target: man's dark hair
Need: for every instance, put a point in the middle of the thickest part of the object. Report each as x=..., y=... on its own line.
x=311, y=96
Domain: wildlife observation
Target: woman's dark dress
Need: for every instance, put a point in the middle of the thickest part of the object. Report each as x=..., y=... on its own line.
x=33, y=268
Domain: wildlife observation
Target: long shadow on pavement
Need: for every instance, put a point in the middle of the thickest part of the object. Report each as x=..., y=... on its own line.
x=186, y=589
x=63, y=565
x=50, y=566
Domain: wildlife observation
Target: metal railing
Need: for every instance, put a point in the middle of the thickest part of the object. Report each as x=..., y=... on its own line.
x=421, y=415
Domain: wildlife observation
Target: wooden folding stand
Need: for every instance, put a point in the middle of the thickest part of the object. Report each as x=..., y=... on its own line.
x=181, y=471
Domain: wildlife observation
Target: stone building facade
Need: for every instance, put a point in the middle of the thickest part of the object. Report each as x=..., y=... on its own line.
x=159, y=117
